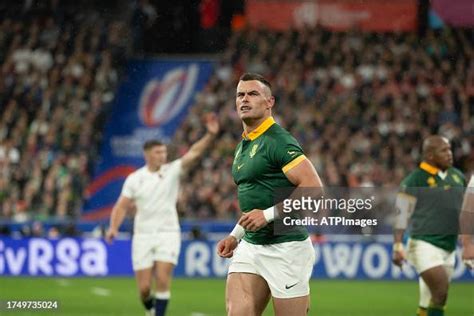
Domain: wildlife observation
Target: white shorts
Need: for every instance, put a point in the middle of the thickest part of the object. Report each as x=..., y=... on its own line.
x=287, y=267
x=148, y=248
x=423, y=255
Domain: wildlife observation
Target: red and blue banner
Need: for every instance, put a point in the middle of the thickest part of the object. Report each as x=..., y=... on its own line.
x=151, y=103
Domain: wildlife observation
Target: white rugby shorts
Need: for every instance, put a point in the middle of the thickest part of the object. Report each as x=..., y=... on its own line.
x=159, y=246
x=423, y=255
x=286, y=267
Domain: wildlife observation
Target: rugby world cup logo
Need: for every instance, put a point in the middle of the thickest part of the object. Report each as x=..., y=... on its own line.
x=161, y=100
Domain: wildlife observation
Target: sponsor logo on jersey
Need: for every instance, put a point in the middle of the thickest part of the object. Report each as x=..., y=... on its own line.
x=254, y=150
x=457, y=178
x=431, y=182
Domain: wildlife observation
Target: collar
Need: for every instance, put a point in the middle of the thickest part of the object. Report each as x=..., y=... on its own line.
x=158, y=172
x=429, y=168
x=269, y=121
x=442, y=174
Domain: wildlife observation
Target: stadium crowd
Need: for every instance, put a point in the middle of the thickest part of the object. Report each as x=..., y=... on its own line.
x=359, y=104
x=58, y=74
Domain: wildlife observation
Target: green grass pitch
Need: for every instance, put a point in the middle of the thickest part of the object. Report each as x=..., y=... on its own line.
x=204, y=297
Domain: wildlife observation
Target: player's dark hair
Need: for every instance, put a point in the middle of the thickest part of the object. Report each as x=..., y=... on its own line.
x=248, y=76
x=152, y=143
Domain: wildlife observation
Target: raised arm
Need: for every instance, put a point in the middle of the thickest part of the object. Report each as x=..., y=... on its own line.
x=197, y=149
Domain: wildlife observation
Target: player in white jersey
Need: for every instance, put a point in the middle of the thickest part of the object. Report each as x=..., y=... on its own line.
x=153, y=191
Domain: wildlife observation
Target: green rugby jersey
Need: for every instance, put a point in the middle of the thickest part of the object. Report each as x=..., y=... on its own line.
x=260, y=162
x=439, y=200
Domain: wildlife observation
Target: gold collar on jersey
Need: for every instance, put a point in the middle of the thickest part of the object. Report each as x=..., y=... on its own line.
x=269, y=121
x=429, y=168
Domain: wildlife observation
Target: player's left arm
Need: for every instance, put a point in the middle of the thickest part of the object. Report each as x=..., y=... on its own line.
x=302, y=174
x=197, y=149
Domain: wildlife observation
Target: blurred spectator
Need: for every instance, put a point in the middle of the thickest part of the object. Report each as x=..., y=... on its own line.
x=196, y=233
x=58, y=73
x=5, y=230
x=143, y=17
x=53, y=232
x=37, y=229
x=25, y=231
x=70, y=230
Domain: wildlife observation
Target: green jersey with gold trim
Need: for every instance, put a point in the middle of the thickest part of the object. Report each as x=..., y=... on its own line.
x=260, y=162
x=439, y=198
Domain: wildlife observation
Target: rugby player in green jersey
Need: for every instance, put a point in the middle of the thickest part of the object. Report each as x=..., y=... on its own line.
x=265, y=264
x=432, y=195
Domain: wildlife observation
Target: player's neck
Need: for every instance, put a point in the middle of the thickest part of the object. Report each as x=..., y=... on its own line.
x=252, y=124
x=153, y=168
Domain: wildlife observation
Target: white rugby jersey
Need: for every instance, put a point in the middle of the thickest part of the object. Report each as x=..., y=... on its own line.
x=155, y=195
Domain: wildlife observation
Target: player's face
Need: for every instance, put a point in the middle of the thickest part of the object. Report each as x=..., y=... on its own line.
x=443, y=156
x=156, y=156
x=253, y=100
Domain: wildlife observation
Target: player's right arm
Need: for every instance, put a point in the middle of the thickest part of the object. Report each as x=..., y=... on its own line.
x=405, y=205
x=117, y=216
x=398, y=251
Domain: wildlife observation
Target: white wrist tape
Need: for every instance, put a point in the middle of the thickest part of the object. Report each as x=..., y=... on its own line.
x=398, y=246
x=238, y=232
x=269, y=214
x=469, y=263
